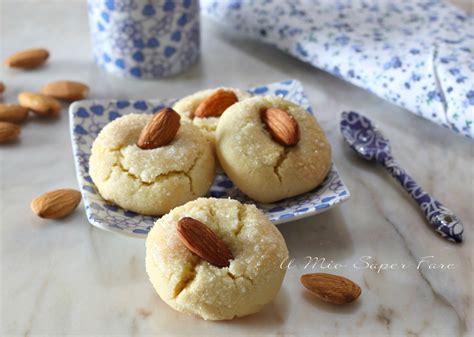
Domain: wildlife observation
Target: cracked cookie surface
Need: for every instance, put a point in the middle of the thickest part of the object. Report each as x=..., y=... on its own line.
x=152, y=181
x=192, y=285
x=187, y=105
x=260, y=167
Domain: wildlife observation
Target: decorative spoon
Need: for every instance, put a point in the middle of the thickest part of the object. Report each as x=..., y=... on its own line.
x=365, y=139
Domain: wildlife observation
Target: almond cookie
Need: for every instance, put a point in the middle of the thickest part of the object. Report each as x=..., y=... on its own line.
x=272, y=148
x=189, y=283
x=150, y=180
x=204, y=108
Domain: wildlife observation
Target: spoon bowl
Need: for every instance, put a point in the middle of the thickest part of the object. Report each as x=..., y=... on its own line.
x=364, y=137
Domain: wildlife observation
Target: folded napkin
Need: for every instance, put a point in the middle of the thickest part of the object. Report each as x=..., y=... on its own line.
x=417, y=54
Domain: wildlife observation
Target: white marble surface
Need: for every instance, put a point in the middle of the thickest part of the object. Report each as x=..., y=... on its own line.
x=69, y=278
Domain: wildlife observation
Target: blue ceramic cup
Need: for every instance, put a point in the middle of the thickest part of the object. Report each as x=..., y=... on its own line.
x=145, y=38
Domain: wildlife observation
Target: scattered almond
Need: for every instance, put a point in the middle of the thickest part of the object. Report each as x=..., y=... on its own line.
x=66, y=90
x=2, y=87
x=8, y=132
x=160, y=130
x=282, y=126
x=203, y=242
x=13, y=113
x=40, y=104
x=28, y=59
x=216, y=104
x=331, y=288
x=56, y=204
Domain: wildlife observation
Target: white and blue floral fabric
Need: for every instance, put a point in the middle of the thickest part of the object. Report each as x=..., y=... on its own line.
x=418, y=54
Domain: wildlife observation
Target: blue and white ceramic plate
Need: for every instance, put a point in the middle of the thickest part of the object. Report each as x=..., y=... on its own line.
x=90, y=116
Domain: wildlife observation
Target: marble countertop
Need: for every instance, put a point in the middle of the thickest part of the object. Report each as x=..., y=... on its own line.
x=70, y=278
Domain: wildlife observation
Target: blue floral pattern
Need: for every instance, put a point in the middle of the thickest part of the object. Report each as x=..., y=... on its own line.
x=89, y=117
x=366, y=139
x=418, y=54
x=145, y=38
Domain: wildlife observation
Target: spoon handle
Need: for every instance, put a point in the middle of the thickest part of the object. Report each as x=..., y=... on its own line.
x=440, y=218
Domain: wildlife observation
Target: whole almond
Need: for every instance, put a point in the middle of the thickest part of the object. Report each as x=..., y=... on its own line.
x=28, y=59
x=331, y=288
x=56, y=204
x=2, y=87
x=203, y=242
x=8, y=132
x=13, y=113
x=216, y=104
x=40, y=104
x=282, y=126
x=66, y=90
x=160, y=130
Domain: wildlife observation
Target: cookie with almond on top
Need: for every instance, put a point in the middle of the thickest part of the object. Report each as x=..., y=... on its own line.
x=272, y=149
x=204, y=108
x=151, y=164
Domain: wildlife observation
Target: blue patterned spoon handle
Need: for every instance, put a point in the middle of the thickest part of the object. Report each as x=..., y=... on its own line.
x=440, y=218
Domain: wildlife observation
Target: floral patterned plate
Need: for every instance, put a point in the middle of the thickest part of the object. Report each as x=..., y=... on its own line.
x=90, y=116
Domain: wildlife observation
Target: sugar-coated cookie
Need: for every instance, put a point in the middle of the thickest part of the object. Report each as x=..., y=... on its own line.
x=150, y=181
x=209, y=105
x=258, y=164
x=191, y=284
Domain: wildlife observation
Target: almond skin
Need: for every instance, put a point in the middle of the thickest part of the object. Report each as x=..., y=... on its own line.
x=66, y=90
x=216, y=104
x=40, y=104
x=2, y=87
x=13, y=113
x=331, y=288
x=8, y=132
x=203, y=242
x=282, y=126
x=160, y=130
x=28, y=59
x=56, y=204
